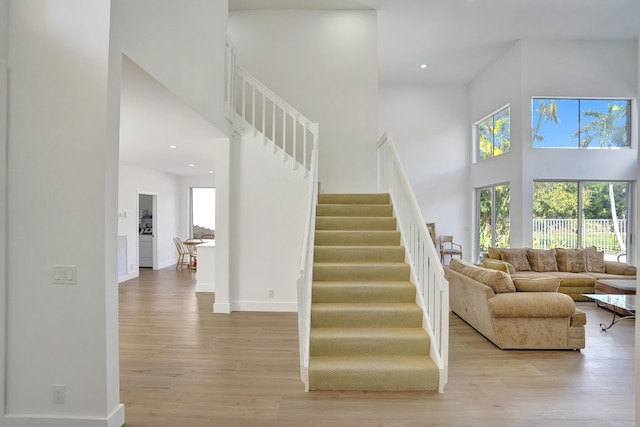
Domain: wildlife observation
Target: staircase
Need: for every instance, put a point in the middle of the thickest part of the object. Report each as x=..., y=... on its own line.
x=366, y=329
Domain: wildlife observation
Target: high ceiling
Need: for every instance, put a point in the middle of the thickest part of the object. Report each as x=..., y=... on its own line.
x=456, y=39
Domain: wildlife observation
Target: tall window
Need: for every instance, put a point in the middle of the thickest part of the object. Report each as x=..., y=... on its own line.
x=494, y=134
x=576, y=214
x=203, y=211
x=580, y=123
x=493, y=206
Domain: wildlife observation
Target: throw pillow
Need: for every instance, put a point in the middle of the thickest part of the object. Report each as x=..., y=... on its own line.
x=495, y=264
x=570, y=260
x=537, y=284
x=594, y=260
x=542, y=260
x=517, y=258
x=494, y=253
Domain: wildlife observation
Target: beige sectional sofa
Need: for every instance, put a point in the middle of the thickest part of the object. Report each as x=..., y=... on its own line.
x=578, y=269
x=525, y=314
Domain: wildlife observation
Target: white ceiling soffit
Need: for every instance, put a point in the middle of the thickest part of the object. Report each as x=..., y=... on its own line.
x=152, y=119
x=458, y=39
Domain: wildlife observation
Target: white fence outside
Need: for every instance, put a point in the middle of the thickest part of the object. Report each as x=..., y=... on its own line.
x=554, y=233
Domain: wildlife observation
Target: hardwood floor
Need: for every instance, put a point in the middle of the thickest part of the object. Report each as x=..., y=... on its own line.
x=183, y=366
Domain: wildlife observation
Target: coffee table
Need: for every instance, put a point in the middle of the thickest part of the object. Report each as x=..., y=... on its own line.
x=626, y=303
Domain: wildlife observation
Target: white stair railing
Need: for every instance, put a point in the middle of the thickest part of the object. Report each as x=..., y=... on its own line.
x=262, y=111
x=426, y=269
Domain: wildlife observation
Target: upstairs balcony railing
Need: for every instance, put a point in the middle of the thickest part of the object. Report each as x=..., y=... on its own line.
x=426, y=269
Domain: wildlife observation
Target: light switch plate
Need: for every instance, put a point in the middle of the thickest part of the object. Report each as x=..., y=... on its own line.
x=63, y=274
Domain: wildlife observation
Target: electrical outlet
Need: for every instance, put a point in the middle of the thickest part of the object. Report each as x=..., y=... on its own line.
x=58, y=393
x=271, y=293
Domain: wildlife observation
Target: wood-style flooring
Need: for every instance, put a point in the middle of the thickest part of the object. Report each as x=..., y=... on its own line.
x=183, y=366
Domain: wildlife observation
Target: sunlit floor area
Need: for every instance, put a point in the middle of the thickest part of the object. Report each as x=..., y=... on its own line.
x=182, y=365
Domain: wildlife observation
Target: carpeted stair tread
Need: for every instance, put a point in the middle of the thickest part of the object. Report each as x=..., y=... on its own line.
x=359, y=254
x=373, y=210
x=391, y=373
x=370, y=291
x=369, y=341
x=352, y=198
x=357, y=238
x=355, y=223
x=362, y=271
x=365, y=315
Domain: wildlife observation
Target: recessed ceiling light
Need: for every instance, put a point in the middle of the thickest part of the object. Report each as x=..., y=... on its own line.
x=210, y=171
x=423, y=66
x=173, y=146
x=191, y=165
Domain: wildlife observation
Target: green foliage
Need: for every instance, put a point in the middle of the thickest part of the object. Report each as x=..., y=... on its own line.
x=555, y=200
x=494, y=135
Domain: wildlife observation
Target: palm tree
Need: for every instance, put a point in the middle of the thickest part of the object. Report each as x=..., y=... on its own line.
x=546, y=112
x=604, y=129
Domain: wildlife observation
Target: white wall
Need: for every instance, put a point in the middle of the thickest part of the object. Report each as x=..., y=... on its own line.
x=554, y=69
x=429, y=125
x=133, y=181
x=59, y=334
x=269, y=213
x=181, y=44
x=323, y=63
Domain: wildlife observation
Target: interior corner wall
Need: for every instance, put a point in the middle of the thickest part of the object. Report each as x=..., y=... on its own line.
x=555, y=69
x=324, y=64
x=497, y=87
x=429, y=126
x=56, y=196
x=133, y=180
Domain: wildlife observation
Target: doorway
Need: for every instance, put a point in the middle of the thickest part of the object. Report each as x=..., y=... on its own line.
x=147, y=230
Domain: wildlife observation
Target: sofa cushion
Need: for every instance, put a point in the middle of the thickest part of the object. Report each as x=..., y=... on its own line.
x=570, y=260
x=499, y=281
x=538, y=284
x=494, y=253
x=532, y=305
x=517, y=258
x=542, y=259
x=612, y=267
x=579, y=318
x=594, y=260
x=495, y=264
x=575, y=279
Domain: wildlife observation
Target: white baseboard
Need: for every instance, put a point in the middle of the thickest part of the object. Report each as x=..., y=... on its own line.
x=276, y=306
x=115, y=419
x=224, y=308
x=167, y=263
x=129, y=276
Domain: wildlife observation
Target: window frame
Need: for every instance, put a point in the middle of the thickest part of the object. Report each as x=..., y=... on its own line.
x=493, y=214
x=477, y=133
x=577, y=146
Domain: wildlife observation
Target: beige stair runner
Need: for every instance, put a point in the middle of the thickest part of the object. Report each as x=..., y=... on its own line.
x=366, y=329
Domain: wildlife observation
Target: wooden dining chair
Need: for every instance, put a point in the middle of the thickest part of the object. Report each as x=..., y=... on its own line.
x=449, y=248
x=182, y=252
